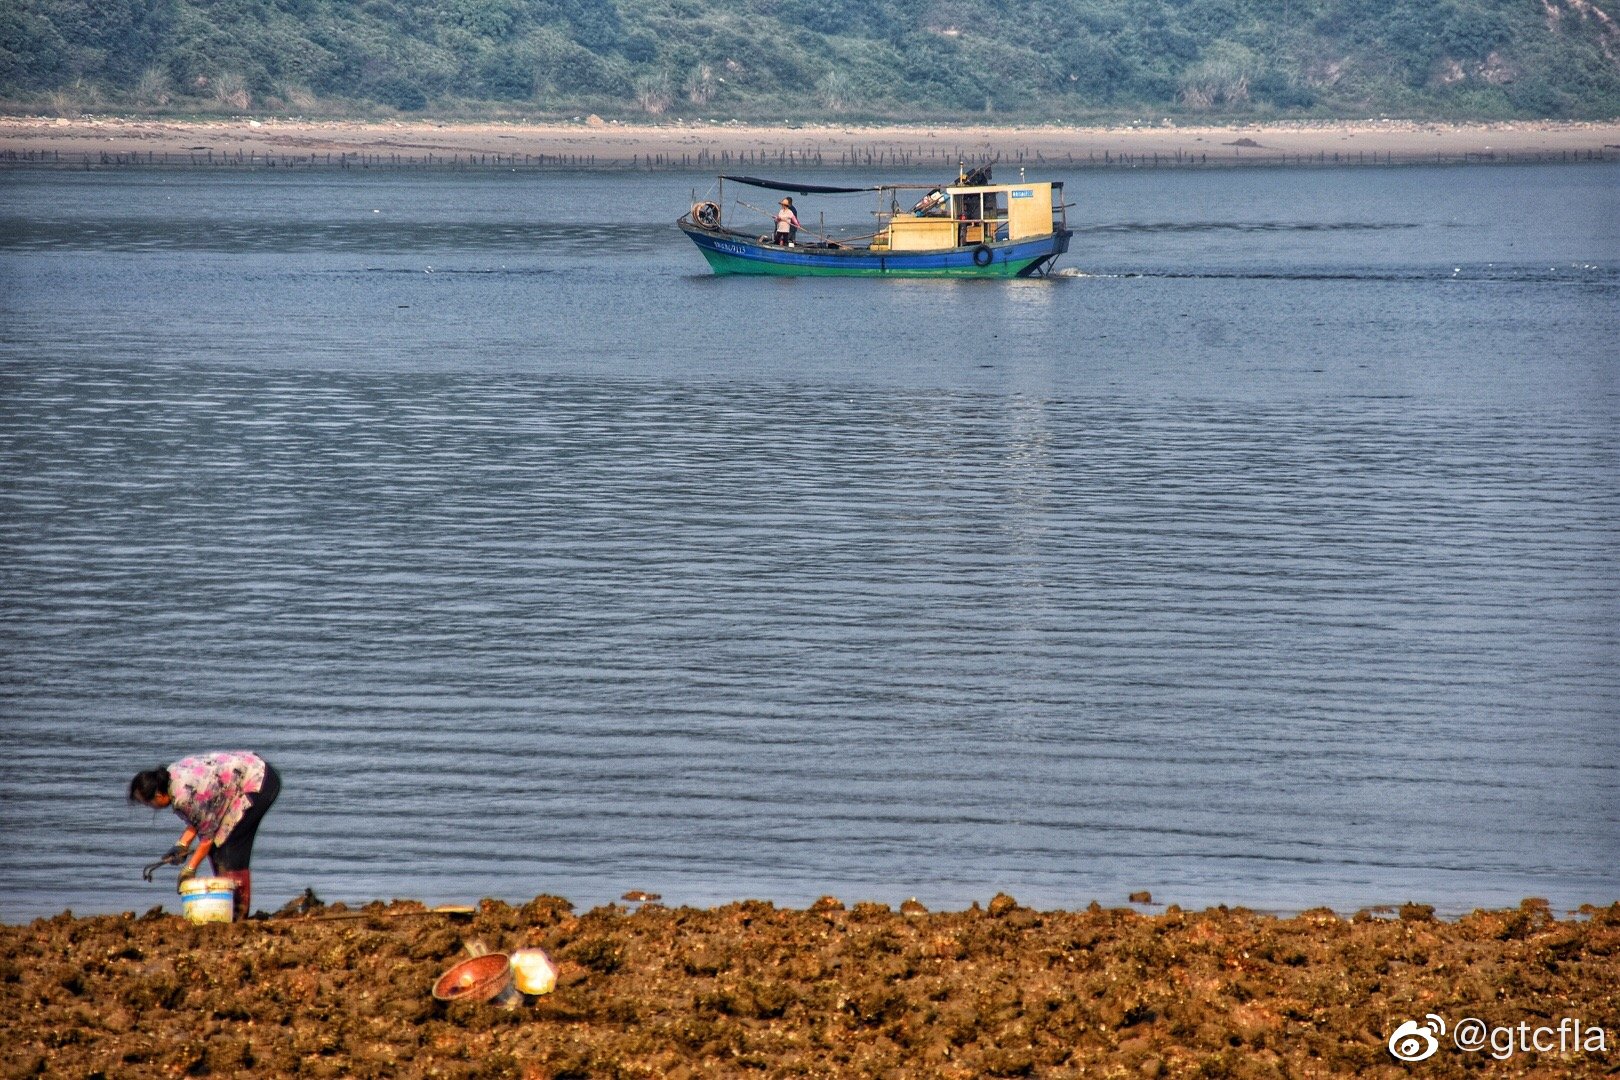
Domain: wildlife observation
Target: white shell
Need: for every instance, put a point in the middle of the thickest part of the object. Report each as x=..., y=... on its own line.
x=533, y=972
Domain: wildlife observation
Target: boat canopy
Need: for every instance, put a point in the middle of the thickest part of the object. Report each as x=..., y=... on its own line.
x=797, y=189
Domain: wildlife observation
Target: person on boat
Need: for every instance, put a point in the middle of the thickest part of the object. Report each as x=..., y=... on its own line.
x=221, y=797
x=787, y=223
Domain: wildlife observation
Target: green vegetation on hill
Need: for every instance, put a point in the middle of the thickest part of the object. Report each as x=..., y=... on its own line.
x=795, y=59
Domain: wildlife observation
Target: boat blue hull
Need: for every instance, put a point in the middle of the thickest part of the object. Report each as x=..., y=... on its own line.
x=731, y=253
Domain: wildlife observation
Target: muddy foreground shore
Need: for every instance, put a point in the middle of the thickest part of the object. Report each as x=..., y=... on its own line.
x=751, y=990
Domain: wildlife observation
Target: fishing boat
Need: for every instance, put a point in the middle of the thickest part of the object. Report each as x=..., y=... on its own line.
x=972, y=228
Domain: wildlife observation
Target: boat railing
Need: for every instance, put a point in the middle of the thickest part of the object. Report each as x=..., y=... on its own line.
x=980, y=230
x=992, y=228
x=984, y=230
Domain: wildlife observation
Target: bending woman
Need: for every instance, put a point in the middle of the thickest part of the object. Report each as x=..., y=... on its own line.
x=221, y=797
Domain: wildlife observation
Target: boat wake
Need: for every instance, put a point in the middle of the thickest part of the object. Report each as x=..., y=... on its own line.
x=1583, y=274
x=1242, y=226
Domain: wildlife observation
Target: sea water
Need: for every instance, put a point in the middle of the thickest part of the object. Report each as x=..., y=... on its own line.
x=1267, y=554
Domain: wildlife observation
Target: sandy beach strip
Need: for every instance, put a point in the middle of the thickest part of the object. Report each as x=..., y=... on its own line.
x=95, y=141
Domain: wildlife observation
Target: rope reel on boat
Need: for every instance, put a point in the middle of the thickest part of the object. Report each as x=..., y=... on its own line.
x=706, y=214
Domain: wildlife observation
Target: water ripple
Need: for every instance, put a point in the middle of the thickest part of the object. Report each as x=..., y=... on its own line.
x=1284, y=573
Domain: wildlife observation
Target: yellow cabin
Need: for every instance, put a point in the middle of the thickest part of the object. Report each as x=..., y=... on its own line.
x=965, y=216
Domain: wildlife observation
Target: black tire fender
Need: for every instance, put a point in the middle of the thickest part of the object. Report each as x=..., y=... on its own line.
x=982, y=256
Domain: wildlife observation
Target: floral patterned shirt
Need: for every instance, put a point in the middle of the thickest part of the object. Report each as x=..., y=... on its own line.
x=210, y=791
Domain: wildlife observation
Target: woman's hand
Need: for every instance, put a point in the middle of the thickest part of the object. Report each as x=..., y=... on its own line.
x=189, y=871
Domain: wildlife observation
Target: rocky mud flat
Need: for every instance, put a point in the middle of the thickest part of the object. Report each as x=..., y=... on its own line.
x=752, y=990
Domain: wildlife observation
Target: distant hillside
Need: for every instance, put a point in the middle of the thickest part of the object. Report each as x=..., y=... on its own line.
x=1075, y=60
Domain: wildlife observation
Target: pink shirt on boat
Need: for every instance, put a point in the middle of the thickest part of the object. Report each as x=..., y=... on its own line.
x=210, y=791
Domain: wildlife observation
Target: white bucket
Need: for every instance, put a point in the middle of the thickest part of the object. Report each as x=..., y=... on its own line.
x=208, y=899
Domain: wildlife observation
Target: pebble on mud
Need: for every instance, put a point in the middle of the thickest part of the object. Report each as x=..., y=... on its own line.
x=1002, y=904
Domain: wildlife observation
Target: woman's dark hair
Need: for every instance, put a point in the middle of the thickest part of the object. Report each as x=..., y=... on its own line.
x=148, y=784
